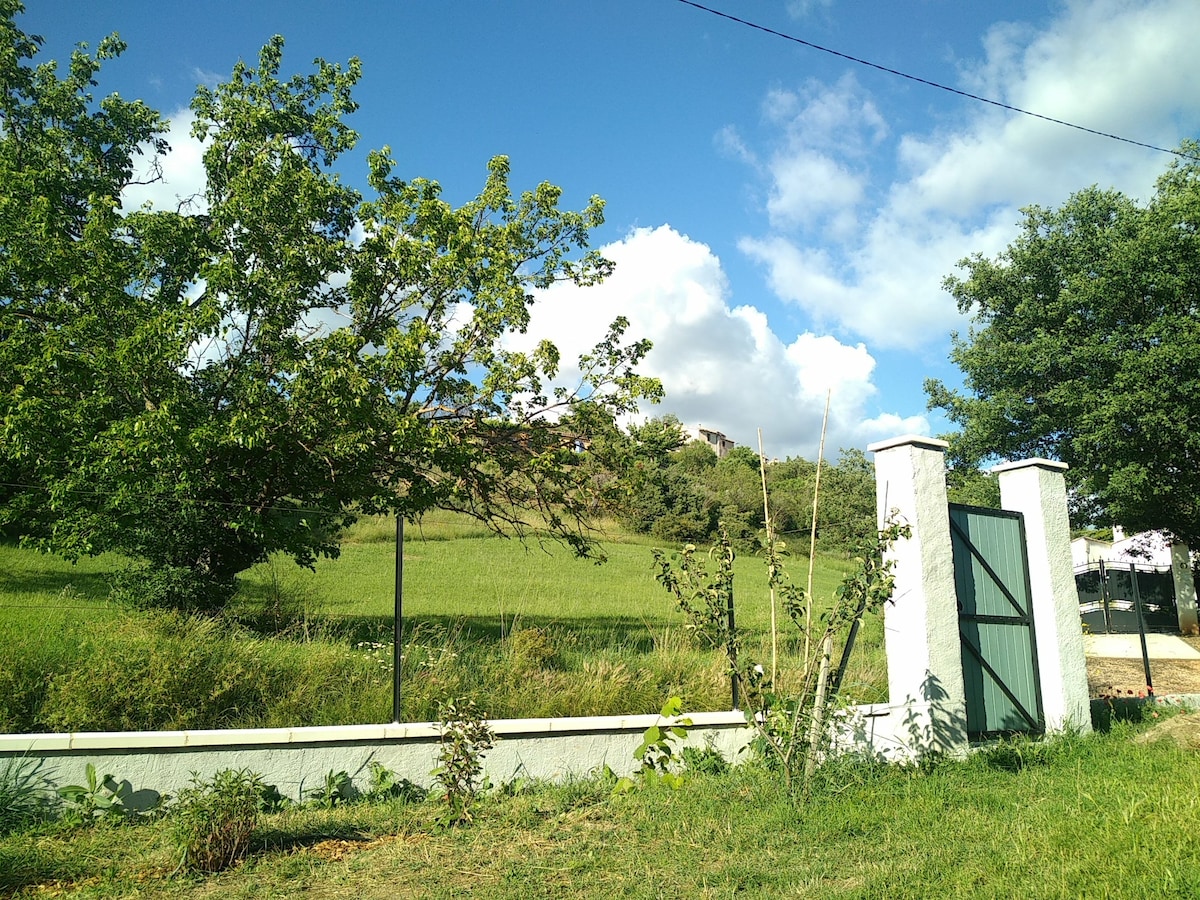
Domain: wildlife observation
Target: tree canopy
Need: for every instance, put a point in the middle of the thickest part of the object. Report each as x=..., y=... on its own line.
x=1085, y=347
x=199, y=387
x=679, y=491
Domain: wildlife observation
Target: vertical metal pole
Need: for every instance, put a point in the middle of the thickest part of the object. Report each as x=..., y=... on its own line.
x=1137, y=604
x=398, y=621
x=1104, y=598
x=848, y=648
x=732, y=649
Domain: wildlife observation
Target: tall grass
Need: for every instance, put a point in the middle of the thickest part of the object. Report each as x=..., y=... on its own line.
x=523, y=630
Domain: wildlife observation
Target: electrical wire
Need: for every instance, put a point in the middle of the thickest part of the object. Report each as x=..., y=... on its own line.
x=933, y=84
x=229, y=504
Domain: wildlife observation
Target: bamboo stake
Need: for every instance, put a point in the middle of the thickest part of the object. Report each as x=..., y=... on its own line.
x=812, y=532
x=762, y=471
x=818, y=714
x=818, y=717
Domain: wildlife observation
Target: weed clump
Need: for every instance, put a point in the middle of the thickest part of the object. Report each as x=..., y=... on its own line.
x=25, y=795
x=214, y=821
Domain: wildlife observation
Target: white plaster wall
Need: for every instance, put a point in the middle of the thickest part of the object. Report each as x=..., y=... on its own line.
x=1149, y=548
x=1185, y=589
x=1088, y=550
x=921, y=621
x=297, y=760
x=897, y=733
x=1037, y=489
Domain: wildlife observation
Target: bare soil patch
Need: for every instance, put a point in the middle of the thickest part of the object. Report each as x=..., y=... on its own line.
x=1183, y=730
x=1109, y=677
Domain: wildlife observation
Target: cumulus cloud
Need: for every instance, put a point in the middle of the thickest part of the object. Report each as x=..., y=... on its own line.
x=867, y=260
x=817, y=173
x=182, y=178
x=722, y=365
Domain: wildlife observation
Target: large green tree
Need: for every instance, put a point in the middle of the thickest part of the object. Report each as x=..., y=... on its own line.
x=199, y=387
x=1085, y=347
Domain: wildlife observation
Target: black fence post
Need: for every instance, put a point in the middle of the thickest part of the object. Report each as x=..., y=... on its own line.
x=1141, y=620
x=1104, y=598
x=398, y=622
x=731, y=648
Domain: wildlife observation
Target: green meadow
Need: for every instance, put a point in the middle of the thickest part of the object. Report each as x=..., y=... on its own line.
x=523, y=629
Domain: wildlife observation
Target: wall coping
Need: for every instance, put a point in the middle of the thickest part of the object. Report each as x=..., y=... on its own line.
x=1038, y=461
x=918, y=440
x=339, y=734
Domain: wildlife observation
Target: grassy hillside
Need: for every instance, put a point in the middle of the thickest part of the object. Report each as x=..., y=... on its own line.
x=525, y=630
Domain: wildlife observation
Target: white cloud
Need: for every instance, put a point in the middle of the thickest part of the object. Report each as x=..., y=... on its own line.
x=817, y=174
x=183, y=178
x=1123, y=66
x=731, y=144
x=834, y=117
x=809, y=185
x=721, y=365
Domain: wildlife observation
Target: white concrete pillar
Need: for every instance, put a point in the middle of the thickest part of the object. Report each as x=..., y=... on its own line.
x=1037, y=488
x=1185, y=589
x=924, y=655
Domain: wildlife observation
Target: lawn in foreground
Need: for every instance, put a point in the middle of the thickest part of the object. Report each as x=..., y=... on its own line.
x=1099, y=816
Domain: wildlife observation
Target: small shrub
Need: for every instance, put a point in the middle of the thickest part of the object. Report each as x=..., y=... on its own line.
x=337, y=790
x=149, y=586
x=658, y=755
x=214, y=821
x=704, y=760
x=466, y=737
x=531, y=649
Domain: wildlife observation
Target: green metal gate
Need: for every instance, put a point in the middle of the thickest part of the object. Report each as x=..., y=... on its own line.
x=995, y=622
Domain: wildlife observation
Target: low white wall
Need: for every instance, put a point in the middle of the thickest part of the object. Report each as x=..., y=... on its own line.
x=899, y=733
x=296, y=760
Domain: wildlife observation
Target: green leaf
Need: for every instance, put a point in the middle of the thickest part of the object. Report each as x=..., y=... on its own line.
x=672, y=708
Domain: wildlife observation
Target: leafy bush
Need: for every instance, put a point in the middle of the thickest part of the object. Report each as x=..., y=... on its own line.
x=147, y=586
x=658, y=755
x=213, y=822
x=387, y=785
x=337, y=790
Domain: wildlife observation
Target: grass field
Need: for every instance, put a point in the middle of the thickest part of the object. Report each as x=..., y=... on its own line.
x=524, y=630
x=1100, y=816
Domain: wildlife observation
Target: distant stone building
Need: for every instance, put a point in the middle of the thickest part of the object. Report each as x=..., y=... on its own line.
x=720, y=444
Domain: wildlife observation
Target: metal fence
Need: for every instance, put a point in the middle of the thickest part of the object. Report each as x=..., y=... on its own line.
x=1112, y=597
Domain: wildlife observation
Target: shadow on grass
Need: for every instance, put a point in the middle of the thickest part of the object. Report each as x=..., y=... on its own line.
x=91, y=586
x=598, y=632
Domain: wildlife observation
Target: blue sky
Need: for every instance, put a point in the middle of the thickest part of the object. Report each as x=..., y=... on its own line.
x=781, y=219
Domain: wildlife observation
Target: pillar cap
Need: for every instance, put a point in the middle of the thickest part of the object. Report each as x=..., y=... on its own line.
x=918, y=440
x=1051, y=464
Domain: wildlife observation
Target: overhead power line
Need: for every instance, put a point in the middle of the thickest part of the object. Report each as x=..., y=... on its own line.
x=195, y=501
x=932, y=84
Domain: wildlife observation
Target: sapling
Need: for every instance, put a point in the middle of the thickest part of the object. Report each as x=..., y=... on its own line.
x=777, y=718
